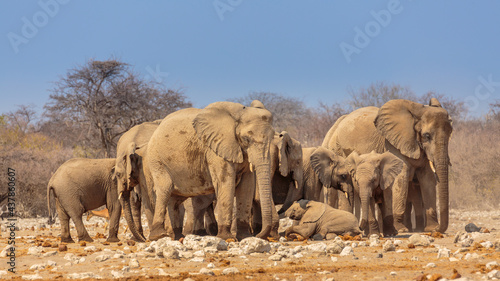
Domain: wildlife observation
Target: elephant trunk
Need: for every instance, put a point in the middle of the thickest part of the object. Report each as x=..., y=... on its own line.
x=127, y=209
x=443, y=194
x=365, y=208
x=349, y=191
x=292, y=195
x=263, y=172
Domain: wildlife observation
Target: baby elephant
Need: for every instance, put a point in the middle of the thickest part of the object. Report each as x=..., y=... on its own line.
x=320, y=220
x=80, y=185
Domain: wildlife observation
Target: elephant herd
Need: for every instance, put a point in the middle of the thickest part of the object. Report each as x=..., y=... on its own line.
x=222, y=169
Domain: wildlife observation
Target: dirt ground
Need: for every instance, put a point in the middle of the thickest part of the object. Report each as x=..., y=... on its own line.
x=406, y=263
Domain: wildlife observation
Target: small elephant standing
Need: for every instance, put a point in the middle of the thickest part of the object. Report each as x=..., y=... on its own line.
x=80, y=185
x=320, y=220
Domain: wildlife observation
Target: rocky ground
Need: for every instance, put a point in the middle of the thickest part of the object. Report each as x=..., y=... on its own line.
x=413, y=256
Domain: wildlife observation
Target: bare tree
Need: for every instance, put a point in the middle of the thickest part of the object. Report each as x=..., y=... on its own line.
x=379, y=93
x=103, y=99
x=23, y=118
x=456, y=109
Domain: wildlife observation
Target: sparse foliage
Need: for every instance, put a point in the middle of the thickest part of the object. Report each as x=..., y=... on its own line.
x=379, y=93
x=103, y=99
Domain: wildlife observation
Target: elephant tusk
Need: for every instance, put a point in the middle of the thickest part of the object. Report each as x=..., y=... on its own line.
x=346, y=195
x=432, y=167
x=252, y=168
x=296, y=185
x=120, y=196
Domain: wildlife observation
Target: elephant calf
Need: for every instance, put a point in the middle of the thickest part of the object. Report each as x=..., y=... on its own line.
x=80, y=185
x=320, y=220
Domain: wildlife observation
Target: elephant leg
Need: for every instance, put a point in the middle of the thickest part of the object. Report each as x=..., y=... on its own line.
x=372, y=220
x=163, y=187
x=64, y=219
x=305, y=230
x=386, y=211
x=115, y=212
x=190, y=217
x=427, y=182
x=83, y=235
x=407, y=216
x=176, y=215
x=256, y=217
x=400, y=195
x=210, y=221
x=136, y=212
x=244, y=197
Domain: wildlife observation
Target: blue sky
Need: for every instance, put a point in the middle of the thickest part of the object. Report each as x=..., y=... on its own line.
x=223, y=49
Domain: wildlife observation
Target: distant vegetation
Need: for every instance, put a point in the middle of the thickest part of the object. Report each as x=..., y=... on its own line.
x=93, y=104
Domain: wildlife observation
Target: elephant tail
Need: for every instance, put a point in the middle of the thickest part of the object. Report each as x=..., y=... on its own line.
x=49, y=189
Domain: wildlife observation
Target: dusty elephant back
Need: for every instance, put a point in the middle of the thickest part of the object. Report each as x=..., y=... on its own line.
x=139, y=134
x=356, y=132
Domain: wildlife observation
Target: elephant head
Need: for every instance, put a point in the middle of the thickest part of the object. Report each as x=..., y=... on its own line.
x=238, y=133
x=289, y=160
x=127, y=171
x=421, y=132
x=371, y=172
x=304, y=211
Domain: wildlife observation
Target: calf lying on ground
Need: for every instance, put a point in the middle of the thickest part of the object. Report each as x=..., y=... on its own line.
x=320, y=220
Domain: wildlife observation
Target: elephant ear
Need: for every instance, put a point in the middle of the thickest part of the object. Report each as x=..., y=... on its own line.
x=133, y=163
x=352, y=162
x=434, y=102
x=216, y=127
x=396, y=120
x=323, y=162
x=284, y=153
x=390, y=168
x=257, y=104
x=314, y=211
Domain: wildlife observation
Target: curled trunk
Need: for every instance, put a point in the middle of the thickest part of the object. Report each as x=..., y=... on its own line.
x=294, y=193
x=127, y=209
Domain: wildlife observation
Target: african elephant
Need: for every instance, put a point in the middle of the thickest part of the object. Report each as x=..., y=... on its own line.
x=213, y=150
x=319, y=220
x=80, y=185
x=199, y=215
x=323, y=171
x=373, y=176
x=287, y=173
x=127, y=171
x=417, y=134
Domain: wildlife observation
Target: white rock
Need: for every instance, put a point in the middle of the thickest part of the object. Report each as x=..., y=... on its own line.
x=255, y=245
x=162, y=272
x=79, y=260
x=206, y=271
x=197, y=259
x=3, y=272
x=493, y=274
x=32, y=277
x=38, y=266
x=389, y=246
x=199, y=253
x=419, y=240
x=211, y=265
x=235, y=252
x=393, y=273
x=231, y=270
x=398, y=242
x=118, y=256
x=102, y=258
x=90, y=249
x=275, y=257
x=51, y=263
x=70, y=257
x=134, y=263
x=35, y=251
x=443, y=253
x=195, y=242
x=5, y=251
x=334, y=248
x=491, y=265
x=169, y=252
x=430, y=265
x=347, y=251
x=83, y=275
x=317, y=247
x=487, y=244
x=453, y=259
x=126, y=268
x=50, y=254
x=117, y=274
x=186, y=255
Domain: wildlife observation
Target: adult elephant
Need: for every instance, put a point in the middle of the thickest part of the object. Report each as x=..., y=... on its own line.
x=213, y=150
x=287, y=174
x=323, y=171
x=127, y=174
x=417, y=134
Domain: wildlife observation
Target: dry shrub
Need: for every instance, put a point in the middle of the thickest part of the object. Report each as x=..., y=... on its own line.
x=475, y=175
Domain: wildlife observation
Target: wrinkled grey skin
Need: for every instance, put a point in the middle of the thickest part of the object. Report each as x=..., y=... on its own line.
x=204, y=151
x=318, y=219
x=80, y=185
x=324, y=172
x=287, y=177
x=419, y=135
x=199, y=216
x=373, y=176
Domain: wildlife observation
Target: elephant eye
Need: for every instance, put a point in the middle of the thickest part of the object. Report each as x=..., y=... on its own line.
x=426, y=136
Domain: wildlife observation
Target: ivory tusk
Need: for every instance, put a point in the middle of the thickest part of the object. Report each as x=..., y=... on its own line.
x=120, y=196
x=432, y=167
x=296, y=185
x=251, y=167
x=346, y=196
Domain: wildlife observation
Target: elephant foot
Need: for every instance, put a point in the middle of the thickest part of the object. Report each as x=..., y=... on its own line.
x=401, y=228
x=200, y=232
x=113, y=239
x=67, y=240
x=85, y=238
x=156, y=234
x=388, y=225
x=212, y=229
x=257, y=227
x=224, y=233
x=242, y=230
x=419, y=224
x=431, y=228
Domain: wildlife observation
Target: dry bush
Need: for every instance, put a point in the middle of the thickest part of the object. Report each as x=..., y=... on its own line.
x=475, y=175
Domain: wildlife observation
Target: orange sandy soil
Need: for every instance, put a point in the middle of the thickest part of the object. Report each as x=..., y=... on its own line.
x=364, y=265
